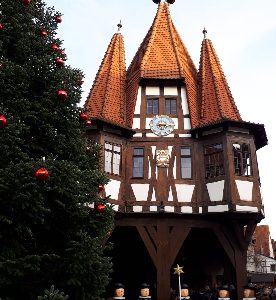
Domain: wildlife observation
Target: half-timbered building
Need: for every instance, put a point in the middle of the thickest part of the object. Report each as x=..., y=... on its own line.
x=182, y=163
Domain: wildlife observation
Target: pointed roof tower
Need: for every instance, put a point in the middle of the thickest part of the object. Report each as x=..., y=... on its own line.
x=216, y=103
x=162, y=55
x=106, y=100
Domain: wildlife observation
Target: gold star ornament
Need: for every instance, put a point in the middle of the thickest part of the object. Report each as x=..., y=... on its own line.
x=178, y=270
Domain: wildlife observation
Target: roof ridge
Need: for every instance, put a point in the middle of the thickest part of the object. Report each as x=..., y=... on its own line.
x=169, y=21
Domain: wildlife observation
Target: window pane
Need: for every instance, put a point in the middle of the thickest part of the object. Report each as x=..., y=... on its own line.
x=117, y=149
x=138, y=151
x=107, y=161
x=173, y=107
x=152, y=106
x=185, y=151
x=213, y=160
x=138, y=163
x=116, y=163
x=186, y=167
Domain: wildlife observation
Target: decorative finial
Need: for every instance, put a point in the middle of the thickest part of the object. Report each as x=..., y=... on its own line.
x=119, y=26
x=204, y=31
x=156, y=1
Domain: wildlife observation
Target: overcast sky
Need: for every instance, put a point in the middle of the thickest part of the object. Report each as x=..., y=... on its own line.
x=243, y=33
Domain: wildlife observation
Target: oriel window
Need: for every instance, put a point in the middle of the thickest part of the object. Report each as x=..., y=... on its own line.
x=186, y=162
x=213, y=160
x=242, y=159
x=170, y=106
x=138, y=163
x=112, y=158
x=152, y=106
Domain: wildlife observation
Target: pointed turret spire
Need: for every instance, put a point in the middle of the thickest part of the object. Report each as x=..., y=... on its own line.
x=162, y=55
x=216, y=103
x=106, y=99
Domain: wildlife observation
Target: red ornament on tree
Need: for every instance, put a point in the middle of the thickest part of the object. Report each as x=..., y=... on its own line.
x=62, y=95
x=100, y=208
x=88, y=123
x=2, y=26
x=43, y=33
x=59, y=62
x=26, y=2
x=83, y=117
x=100, y=188
x=3, y=121
x=55, y=47
x=58, y=19
x=42, y=174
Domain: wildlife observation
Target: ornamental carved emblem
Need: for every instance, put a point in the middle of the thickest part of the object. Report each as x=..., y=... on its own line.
x=162, y=158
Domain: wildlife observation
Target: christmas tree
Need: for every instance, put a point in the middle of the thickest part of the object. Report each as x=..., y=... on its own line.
x=54, y=220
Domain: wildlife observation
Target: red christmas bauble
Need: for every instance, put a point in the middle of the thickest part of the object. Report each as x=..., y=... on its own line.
x=100, y=208
x=43, y=33
x=59, y=62
x=83, y=116
x=3, y=121
x=26, y=2
x=58, y=19
x=62, y=95
x=88, y=123
x=42, y=174
x=62, y=52
x=100, y=188
x=55, y=47
x=2, y=26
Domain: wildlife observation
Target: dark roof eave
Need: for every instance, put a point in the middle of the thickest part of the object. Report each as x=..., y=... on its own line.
x=257, y=130
x=99, y=123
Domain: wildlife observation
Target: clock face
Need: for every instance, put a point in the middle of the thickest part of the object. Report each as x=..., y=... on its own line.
x=161, y=125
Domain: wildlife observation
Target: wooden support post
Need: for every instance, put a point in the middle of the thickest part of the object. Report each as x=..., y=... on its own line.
x=163, y=243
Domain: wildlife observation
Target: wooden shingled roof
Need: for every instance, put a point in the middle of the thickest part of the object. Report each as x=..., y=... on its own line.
x=161, y=55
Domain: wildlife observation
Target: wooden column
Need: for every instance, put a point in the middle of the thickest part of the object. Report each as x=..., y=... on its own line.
x=163, y=243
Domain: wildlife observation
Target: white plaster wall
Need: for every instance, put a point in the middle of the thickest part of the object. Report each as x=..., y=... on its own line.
x=245, y=189
x=169, y=208
x=150, y=135
x=140, y=191
x=152, y=90
x=200, y=210
x=185, y=106
x=138, y=102
x=137, y=208
x=218, y=208
x=186, y=209
x=153, y=208
x=246, y=208
x=153, y=150
x=170, y=198
x=184, y=192
x=170, y=150
x=174, y=168
x=116, y=207
x=187, y=123
x=175, y=123
x=215, y=190
x=170, y=91
x=112, y=189
x=153, y=198
x=149, y=175
x=139, y=134
x=136, y=123
x=185, y=135
x=147, y=123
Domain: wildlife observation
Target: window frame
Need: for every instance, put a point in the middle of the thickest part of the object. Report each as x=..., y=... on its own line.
x=154, y=99
x=213, y=168
x=242, y=167
x=113, y=153
x=183, y=156
x=143, y=162
x=170, y=99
